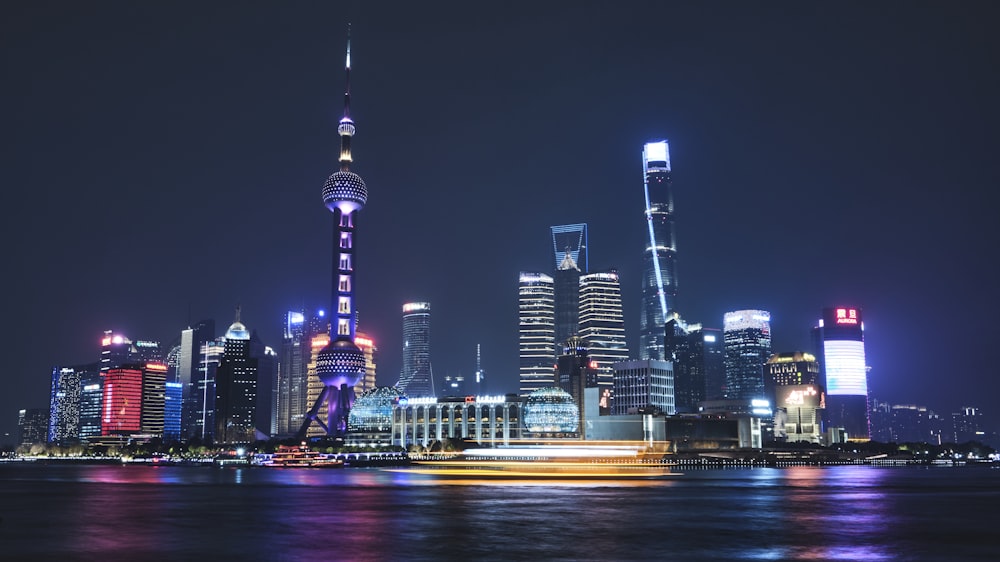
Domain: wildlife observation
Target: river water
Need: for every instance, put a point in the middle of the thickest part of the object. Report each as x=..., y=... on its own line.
x=110, y=512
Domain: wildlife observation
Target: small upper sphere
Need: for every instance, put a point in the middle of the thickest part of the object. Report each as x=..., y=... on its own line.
x=345, y=191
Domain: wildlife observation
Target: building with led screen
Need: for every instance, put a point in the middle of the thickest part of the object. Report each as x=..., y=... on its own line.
x=798, y=410
x=416, y=378
x=64, y=402
x=370, y=420
x=790, y=368
x=602, y=323
x=340, y=364
x=536, y=331
x=747, y=336
x=841, y=346
x=659, y=271
x=122, y=403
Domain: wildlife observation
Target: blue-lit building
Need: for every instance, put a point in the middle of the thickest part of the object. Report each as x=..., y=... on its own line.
x=659, y=270
x=551, y=412
x=173, y=395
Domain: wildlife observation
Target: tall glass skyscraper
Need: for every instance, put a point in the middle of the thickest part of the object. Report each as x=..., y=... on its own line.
x=602, y=324
x=416, y=380
x=841, y=342
x=236, y=387
x=696, y=353
x=536, y=331
x=659, y=270
x=569, y=244
x=747, y=336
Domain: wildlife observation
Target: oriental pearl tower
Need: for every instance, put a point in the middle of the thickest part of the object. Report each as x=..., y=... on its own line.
x=341, y=364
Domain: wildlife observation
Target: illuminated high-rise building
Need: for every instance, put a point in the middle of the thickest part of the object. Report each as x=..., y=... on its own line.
x=840, y=339
x=189, y=366
x=300, y=327
x=747, y=336
x=31, y=426
x=659, y=272
x=209, y=358
x=791, y=368
x=696, y=354
x=64, y=402
x=416, y=380
x=642, y=385
x=536, y=331
x=265, y=412
x=341, y=364
x=172, y=391
x=122, y=404
x=602, y=323
x=575, y=372
x=236, y=387
x=152, y=419
x=116, y=351
x=569, y=246
x=367, y=345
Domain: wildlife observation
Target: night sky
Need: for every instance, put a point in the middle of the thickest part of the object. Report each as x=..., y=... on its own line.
x=162, y=163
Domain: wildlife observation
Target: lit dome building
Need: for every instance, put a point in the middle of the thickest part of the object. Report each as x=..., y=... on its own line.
x=551, y=412
x=370, y=420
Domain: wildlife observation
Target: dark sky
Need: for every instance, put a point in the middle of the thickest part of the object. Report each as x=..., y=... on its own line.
x=163, y=161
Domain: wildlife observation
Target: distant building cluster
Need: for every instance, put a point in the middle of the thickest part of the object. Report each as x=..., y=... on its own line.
x=689, y=384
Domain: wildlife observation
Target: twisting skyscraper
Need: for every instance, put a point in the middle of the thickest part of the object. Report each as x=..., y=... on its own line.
x=659, y=275
x=341, y=364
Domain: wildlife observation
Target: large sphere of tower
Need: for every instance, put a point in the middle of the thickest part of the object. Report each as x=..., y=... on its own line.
x=345, y=191
x=340, y=363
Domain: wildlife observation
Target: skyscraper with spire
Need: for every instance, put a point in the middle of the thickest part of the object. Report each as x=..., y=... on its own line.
x=341, y=364
x=659, y=269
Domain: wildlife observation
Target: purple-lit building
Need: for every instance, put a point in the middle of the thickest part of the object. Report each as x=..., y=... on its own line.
x=341, y=364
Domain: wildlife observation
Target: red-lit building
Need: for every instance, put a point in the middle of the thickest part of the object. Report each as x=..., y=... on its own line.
x=121, y=411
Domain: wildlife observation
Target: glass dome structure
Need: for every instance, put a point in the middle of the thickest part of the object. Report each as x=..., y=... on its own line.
x=551, y=410
x=372, y=410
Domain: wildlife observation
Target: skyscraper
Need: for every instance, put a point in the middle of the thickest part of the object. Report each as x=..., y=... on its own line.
x=536, y=331
x=265, y=413
x=602, y=323
x=841, y=347
x=152, y=419
x=122, y=403
x=747, y=336
x=790, y=368
x=31, y=426
x=64, y=403
x=340, y=365
x=189, y=361
x=367, y=345
x=236, y=387
x=569, y=244
x=659, y=272
x=416, y=380
x=300, y=327
x=696, y=354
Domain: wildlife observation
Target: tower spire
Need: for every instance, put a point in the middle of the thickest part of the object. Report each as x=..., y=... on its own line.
x=346, y=127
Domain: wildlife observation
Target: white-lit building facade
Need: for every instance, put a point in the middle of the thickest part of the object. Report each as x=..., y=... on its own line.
x=487, y=420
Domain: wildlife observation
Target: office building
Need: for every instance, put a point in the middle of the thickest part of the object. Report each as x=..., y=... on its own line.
x=747, y=335
x=122, y=403
x=203, y=391
x=575, y=373
x=236, y=388
x=300, y=327
x=265, y=411
x=967, y=425
x=64, y=402
x=173, y=393
x=644, y=386
x=569, y=245
x=152, y=420
x=789, y=369
x=602, y=324
x=841, y=348
x=536, y=331
x=697, y=356
x=659, y=270
x=189, y=374
x=367, y=346
x=32, y=426
x=91, y=401
x=416, y=380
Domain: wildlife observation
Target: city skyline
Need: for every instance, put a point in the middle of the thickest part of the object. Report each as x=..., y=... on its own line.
x=168, y=170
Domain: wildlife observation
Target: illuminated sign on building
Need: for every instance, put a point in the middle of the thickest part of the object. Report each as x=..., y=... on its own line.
x=363, y=342
x=847, y=316
x=798, y=396
x=156, y=367
x=416, y=306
